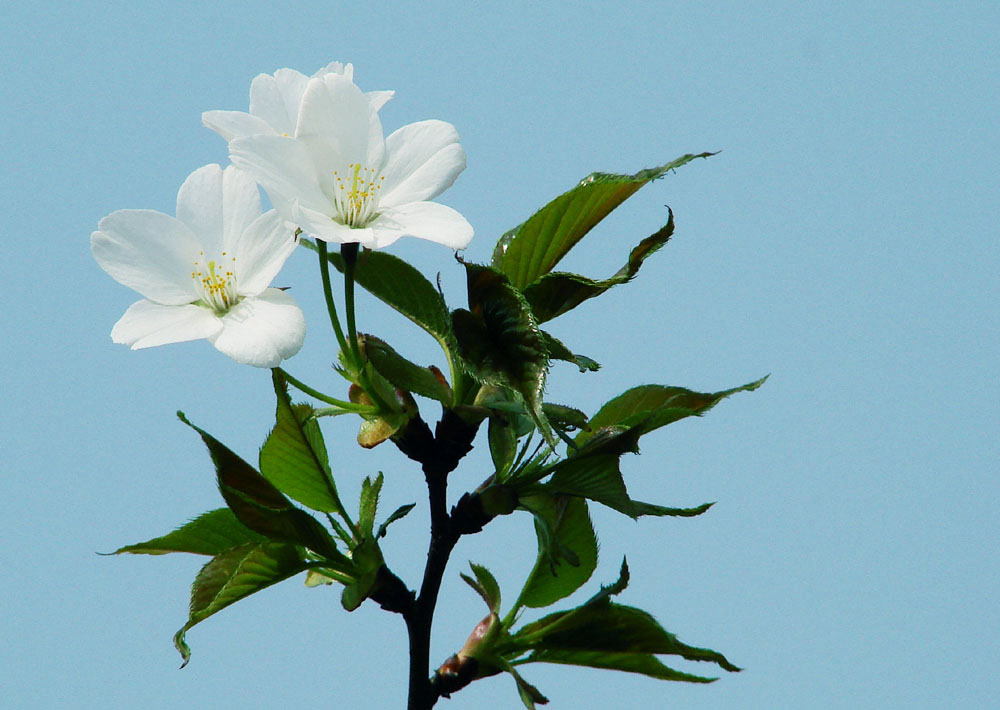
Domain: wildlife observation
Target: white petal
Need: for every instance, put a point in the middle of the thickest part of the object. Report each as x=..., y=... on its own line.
x=283, y=167
x=334, y=109
x=426, y=220
x=275, y=99
x=263, y=330
x=261, y=251
x=347, y=70
x=422, y=161
x=218, y=205
x=321, y=226
x=146, y=324
x=149, y=252
x=235, y=124
x=378, y=99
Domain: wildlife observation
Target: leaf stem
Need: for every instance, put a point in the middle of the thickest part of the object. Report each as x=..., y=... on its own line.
x=347, y=406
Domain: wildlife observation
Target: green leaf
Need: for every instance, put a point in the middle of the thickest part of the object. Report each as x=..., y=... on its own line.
x=641, y=508
x=425, y=381
x=261, y=507
x=558, y=351
x=209, y=534
x=370, y=489
x=648, y=407
x=534, y=248
x=500, y=341
x=294, y=457
x=401, y=286
x=644, y=663
x=400, y=512
x=603, y=626
x=485, y=585
x=597, y=477
x=567, y=549
x=233, y=575
x=556, y=293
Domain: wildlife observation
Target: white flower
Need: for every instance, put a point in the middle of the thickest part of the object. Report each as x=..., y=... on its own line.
x=340, y=180
x=274, y=104
x=205, y=273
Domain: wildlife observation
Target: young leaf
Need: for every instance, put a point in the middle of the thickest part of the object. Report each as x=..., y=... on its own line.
x=567, y=549
x=294, y=456
x=209, y=534
x=400, y=512
x=368, y=506
x=596, y=477
x=533, y=248
x=233, y=575
x=641, y=508
x=500, y=341
x=556, y=293
x=425, y=381
x=558, y=351
x=261, y=507
x=648, y=407
x=485, y=585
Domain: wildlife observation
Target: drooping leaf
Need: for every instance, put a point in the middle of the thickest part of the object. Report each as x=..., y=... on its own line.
x=644, y=663
x=596, y=477
x=641, y=508
x=425, y=381
x=567, y=549
x=558, y=351
x=500, y=341
x=533, y=248
x=262, y=507
x=233, y=575
x=650, y=407
x=294, y=456
x=556, y=293
x=209, y=534
x=401, y=286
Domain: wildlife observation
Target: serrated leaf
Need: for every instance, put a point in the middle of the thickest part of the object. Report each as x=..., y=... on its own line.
x=294, y=456
x=368, y=506
x=604, y=626
x=209, y=534
x=596, y=477
x=567, y=549
x=533, y=248
x=500, y=341
x=644, y=663
x=485, y=585
x=556, y=293
x=558, y=351
x=399, y=513
x=404, y=374
x=647, y=407
x=262, y=507
x=234, y=575
x=401, y=286
x=641, y=508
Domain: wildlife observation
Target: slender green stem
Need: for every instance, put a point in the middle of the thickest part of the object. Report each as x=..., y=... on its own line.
x=324, y=268
x=350, y=254
x=347, y=406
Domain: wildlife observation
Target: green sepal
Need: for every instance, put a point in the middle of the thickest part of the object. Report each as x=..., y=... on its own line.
x=533, y=248
x=500, y=341
x=556, y=293
x=233, y=575
x=567, y=548
x=425, y=381
x=294, y=457
x=209, y=534
x=262, y=507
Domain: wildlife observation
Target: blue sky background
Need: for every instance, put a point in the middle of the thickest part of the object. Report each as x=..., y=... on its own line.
x=845, y=240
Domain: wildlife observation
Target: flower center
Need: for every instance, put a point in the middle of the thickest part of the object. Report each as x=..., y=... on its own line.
x=216, y=282
x=356, y=200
